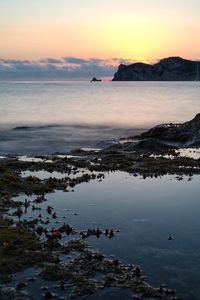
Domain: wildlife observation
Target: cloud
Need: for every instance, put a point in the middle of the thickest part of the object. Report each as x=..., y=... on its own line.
x=64, y=68
x=52, y=61
x=14, y=61
x=75, y=60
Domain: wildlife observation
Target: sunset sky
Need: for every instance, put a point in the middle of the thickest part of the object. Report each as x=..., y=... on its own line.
x=108, y=30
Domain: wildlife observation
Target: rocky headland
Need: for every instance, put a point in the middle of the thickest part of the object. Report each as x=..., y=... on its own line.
x=167, y=69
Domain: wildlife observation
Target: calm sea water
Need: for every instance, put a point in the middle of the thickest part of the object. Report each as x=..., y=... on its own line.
x=68, y=115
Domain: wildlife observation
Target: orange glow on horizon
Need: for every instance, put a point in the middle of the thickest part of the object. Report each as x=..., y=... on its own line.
x=141, y=30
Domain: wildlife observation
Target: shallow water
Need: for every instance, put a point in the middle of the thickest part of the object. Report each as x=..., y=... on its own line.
x=146, y=212
x=190, y=152
x=58, y=175
x=68, y=115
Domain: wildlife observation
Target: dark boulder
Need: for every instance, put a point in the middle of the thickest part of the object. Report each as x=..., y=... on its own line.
x=187, y=133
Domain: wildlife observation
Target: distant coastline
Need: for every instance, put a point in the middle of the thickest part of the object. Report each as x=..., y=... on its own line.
x=167, y=69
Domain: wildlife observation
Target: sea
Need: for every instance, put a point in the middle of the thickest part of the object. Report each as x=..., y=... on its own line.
x=57, y=117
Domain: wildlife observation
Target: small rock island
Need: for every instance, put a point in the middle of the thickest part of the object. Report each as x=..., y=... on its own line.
x=94, y=79
x=167, y=69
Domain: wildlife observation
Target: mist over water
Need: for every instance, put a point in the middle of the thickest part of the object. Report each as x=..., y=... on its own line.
x=62, y=139
x=61, y=116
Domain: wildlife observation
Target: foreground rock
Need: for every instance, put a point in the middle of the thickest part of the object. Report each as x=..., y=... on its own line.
x=84, y=274
x=168, y=69
x=9, y=293
x=186, y=134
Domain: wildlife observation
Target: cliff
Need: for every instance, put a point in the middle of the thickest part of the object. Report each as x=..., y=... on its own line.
x=168, y=69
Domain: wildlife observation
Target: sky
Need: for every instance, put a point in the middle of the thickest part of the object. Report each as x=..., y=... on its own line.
x=76, y=38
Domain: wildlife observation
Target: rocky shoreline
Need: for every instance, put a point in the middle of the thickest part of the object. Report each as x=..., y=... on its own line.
x=25, y=243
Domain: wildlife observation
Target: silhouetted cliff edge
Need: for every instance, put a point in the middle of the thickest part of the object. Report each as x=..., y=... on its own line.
x=168, y=69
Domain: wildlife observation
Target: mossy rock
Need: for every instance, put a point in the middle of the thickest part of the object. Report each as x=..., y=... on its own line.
x=19, y=250
x=54, y=272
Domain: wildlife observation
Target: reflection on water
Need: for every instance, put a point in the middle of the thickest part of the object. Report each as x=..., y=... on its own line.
x=146, y=212
x=193, y=153
x=58, y=175
x=190, y=152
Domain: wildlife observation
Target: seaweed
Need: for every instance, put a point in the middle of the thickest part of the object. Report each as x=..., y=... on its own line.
x=19, y=250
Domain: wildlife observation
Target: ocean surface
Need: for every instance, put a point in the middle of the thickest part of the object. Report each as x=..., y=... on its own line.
x=49, y=117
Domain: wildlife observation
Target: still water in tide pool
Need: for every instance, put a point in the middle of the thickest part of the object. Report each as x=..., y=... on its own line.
x=61, y=116
x=146, y=211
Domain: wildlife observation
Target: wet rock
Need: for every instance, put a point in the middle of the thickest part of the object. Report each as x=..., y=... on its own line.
x=44, y=288
x=40, y=199
x=116, y=262
x=26, y=204
x=62, y=286
x=135, y=297
x=186, y=133
x=49, y=209
x=31, y=279
x=108, y=281
x=54, y=216
x=21, y=285
x=48, y=295
x=137, y=271
x=39, y=230
x=9, y=293
x=111, y=233
x=65, y=228
x=170, y=292
x=18, y=212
